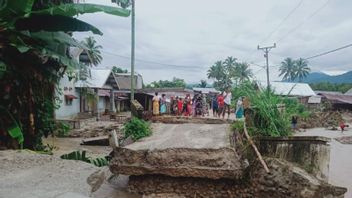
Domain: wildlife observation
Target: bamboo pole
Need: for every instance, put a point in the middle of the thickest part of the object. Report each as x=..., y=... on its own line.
x=255, y=148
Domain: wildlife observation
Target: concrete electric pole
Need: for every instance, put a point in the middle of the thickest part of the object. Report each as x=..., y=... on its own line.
x=266, y=55
x=132, y=49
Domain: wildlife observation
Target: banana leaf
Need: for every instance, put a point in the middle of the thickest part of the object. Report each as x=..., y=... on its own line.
x=36, y=23
x=83, y=8
x=12, y=8
x=60, y=37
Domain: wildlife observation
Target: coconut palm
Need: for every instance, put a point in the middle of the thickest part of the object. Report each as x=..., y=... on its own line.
x=243, y=72
x=203, y=84
x=93, y=51
x=216, y=71
x=301, y=69
x=287, y=69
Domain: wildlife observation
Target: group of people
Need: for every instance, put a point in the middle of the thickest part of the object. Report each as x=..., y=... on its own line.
x=199, y=105
x=159, y=104
x=187, y=106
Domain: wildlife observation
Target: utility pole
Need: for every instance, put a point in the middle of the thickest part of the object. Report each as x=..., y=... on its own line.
x=132, y=48
x=266, y=55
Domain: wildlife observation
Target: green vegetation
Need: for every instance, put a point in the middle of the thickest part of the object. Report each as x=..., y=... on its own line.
x=326, y=86
x=137, y=129
x=294, y=69
x=270, y=115
x=117, y=70
x=93, y=51
x=34, y=42
x=62, y=129
x=227, y=71
x=176, y=82
x=81, y=156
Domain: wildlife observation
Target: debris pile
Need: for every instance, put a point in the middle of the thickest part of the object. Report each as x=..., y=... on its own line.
x=96, y=129
x=321, y=119
x=344, y=140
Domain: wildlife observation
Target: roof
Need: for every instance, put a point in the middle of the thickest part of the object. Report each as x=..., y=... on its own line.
x=314, y=100
x=328, y=92
x=169, y=92
x=290, y=89
x=349, y=92
x=124, y=80
x=205, y=90
x=98, y=79
x=344, y=99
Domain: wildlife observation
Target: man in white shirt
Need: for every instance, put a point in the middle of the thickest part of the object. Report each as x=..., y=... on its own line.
x=227, y=101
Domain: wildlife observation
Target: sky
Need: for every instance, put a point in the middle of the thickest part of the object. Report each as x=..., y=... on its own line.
x=191, y=35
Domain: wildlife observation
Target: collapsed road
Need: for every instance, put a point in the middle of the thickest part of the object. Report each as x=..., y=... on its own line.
x=197, y=160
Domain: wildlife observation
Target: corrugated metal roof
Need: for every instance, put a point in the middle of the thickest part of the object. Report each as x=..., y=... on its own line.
x=314, y=100
x=349, y=92
x=328, y=92
x=290, y=89
x=97, y=80
x=124, y=81
x=205, y=90
x=338, y=98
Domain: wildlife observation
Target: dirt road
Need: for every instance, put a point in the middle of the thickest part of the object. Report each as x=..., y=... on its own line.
x=185, y=136
x=340, y=157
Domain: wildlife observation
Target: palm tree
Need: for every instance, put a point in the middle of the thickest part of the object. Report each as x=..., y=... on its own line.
x=203, y=84
x=301, y=69
x=287, y=69
x=216, y=71
x=93, y=51
x=243, y=72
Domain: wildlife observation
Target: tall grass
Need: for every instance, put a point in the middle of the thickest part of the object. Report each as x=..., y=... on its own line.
x=270, y=115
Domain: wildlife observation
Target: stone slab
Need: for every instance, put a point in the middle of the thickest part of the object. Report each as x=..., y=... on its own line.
x=179, y=162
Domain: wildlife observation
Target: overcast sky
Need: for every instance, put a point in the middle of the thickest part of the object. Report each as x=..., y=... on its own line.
x=193, y=34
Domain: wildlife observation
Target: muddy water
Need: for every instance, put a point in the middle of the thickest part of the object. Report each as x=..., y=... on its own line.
x=340, y=172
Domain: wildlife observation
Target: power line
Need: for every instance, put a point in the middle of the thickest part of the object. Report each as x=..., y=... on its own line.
x=152, y=62
x=283, y=21
x=328, y=52
x=302, y=23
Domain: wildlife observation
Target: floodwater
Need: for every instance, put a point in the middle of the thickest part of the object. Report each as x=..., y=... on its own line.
x=340, y=173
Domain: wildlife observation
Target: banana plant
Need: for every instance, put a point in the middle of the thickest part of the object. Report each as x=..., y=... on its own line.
x=43, y=30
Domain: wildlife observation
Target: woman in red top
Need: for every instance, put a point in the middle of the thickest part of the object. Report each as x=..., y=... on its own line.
x=221, y=104
x=179, y=106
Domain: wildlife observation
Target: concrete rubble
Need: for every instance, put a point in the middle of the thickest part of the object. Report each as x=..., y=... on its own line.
x=209, y=169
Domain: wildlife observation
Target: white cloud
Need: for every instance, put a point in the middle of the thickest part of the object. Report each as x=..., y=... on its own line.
x=196, y=33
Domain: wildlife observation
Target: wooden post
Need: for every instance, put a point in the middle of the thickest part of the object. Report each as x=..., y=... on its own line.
x=255, y=148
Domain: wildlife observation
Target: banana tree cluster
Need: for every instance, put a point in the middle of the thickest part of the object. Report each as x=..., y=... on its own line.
x=44, y=30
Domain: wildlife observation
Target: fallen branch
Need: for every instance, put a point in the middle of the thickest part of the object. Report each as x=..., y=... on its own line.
x=255, y=148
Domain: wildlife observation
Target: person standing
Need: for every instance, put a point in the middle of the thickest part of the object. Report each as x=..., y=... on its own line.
x=227, y=101
x=179, y=106
x=294, y=121
x=239, y=108
x=221, y=104
x=163, y=104
x=214, y=105
x=156, y=107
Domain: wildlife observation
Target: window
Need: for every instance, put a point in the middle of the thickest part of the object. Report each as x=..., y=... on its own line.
x=68, y=101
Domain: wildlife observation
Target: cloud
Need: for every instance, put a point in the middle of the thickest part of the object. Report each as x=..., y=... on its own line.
x=197, y=33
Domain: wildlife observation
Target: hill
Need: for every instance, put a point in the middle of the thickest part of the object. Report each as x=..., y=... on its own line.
x=317, y=77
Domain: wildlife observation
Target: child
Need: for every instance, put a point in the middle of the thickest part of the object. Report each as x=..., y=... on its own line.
x=343, y=126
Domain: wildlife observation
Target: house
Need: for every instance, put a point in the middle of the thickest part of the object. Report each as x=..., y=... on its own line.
x=328, y=92
x=337, y=102
x=290, y=89
x=349, y=92
x=94, y=95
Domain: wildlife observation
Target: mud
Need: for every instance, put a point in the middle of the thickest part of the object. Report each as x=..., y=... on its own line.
x=284, y=180
x=179, y=162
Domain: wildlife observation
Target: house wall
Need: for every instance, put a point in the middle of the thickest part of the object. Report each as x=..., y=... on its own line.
x=67, y=111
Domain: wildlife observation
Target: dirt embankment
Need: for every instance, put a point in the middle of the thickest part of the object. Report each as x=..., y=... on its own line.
x=284, y=180
x=321, y=119
x=179, y=162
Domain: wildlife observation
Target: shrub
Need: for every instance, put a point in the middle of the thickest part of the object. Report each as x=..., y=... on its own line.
x=63, y=129
x=137, y=129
